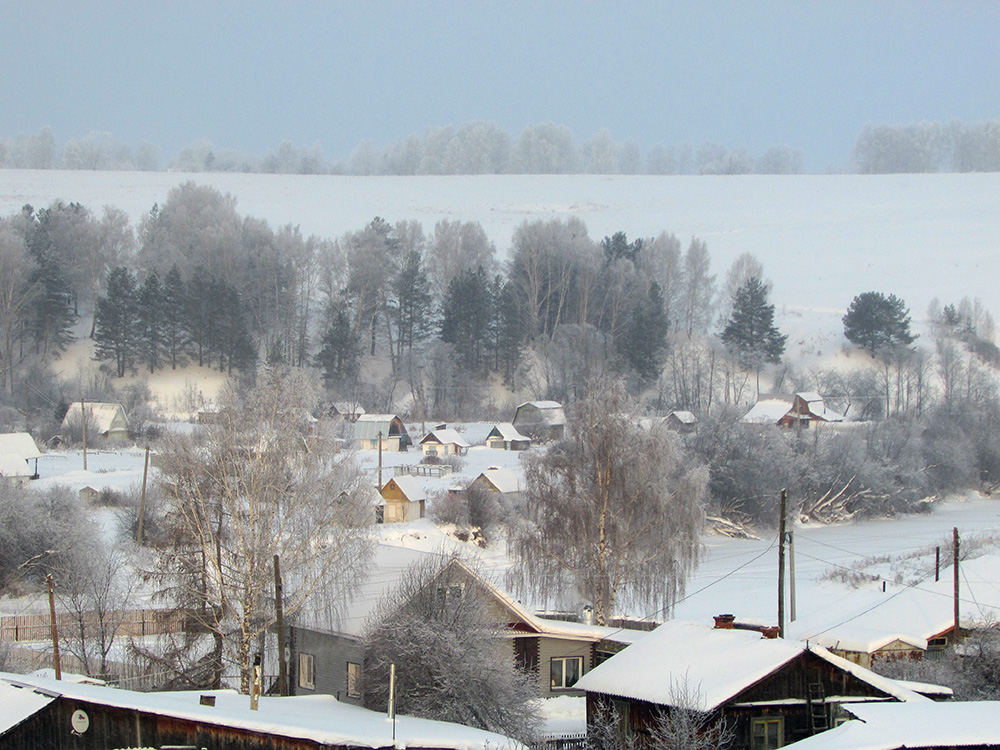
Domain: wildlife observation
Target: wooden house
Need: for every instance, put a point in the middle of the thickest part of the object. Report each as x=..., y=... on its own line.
x=556, y=653
x=769, y=691
x=102, y=419
x=345, y=410
x=505, y=437
x=22, y=445
x=682, y=421
x=799, y=410
x=973, y=725
x=505, y=482
x=542, y=420
x=394, y=436
x=37, y=712
x=443, y=442
x=404, y=500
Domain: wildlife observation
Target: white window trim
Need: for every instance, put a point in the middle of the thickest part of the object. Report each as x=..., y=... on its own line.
x=563, y=660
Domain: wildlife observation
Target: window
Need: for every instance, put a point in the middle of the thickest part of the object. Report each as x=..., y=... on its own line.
x=565, y=672
x=768, y=733
x=936, y=644
x=307, y=671
x=353, y=680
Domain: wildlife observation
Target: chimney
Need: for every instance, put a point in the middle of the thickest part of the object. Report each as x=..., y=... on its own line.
x=207, y=700
x=769, y=631
x=724, y=622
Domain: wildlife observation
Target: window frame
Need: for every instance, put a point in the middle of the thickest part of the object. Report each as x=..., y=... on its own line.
x=353, y=682
x=763, y=721
x=563, y=661
x=307, y=671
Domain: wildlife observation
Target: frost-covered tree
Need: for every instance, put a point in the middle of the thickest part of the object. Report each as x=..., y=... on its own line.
x=252, y=489
x=452, y=656
x=614, y=510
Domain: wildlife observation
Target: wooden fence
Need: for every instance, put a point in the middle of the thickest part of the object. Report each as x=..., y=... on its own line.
x=134, y=622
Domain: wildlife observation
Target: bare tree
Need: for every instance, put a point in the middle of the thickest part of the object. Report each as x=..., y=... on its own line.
x=97, y=591
x=616, y=510
x=16, y=296
x=259, y=486
x=453, y=661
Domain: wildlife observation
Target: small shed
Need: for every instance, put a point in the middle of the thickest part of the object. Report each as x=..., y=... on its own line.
x=444, y=442
x=682, y=421
x=394, y=435
x=405, y=499
x=105, y=419
x=542, y=420
x=505, y=437
x=89, y=494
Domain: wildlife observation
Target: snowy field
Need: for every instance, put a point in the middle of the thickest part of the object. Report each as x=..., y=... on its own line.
x=822, y=238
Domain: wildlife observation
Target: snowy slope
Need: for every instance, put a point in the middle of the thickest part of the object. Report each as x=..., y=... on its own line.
x=822, y=238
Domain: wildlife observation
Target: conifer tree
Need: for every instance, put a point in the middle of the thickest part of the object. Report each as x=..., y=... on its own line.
x=150, y=320
x=339, y=356
x=116, y=326
x=750, y=332
x=876, y=322
x=173, y=317
x=643, y=342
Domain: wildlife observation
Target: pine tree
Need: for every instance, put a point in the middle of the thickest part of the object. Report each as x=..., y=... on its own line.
x=116, y=322
x=467, y=317
x=411, y=311
x=876, y=322
x=643, y=341
x=339, y=356
x=173, y=317
x=750, y=332
x=150, y=319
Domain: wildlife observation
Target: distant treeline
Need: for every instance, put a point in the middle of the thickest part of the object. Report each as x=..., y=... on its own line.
x=472, y=148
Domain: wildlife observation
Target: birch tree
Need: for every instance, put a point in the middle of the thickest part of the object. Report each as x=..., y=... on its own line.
x=615, y=510
x=258, y=486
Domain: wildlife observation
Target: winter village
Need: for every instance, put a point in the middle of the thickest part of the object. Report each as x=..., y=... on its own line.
x=598, y=378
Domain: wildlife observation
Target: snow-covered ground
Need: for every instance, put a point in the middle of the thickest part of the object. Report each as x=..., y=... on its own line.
x=822, y=238
x=735, y=575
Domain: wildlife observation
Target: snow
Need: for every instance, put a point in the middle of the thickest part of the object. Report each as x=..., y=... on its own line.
x=17, y=704
x=505, y=480
x=707, y=665
x=768, y=410
x=565, y=715
x=21, y=444
x=887, y=726
x=319, y=718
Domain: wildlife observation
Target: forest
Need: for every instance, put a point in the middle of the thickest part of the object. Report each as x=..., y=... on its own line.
x=432, y=324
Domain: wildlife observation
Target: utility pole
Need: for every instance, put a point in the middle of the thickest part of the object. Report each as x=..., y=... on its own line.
x=380, y=460
x=781, y=566
x=55, y=629
x=279, y=616
x=937, y=564
x=954, y=536
x=791, y=576
x=83, y=422
x=142, y=500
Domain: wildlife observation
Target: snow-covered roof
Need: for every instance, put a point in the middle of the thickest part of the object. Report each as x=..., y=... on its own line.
x=18, y=704
x=12, y=465
x=346, y=407
x=19, y=443
x=99, y=415
x=412, y=487
x=507, y=431
x=319, y=718
x=445, y=436
x=768, y=410
x=550, y=411
x=714, y=664
x=505, y=480
x=818, y=408
x=685, y=417
x=889, y=726
x=542, y=404
x=868, y=619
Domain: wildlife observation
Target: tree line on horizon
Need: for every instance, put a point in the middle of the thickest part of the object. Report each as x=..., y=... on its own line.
x=545, y=148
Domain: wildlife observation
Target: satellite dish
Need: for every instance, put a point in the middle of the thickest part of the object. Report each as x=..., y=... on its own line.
x=80, y=721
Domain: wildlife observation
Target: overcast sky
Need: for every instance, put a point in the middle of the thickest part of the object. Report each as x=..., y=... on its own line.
x=248, y=75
